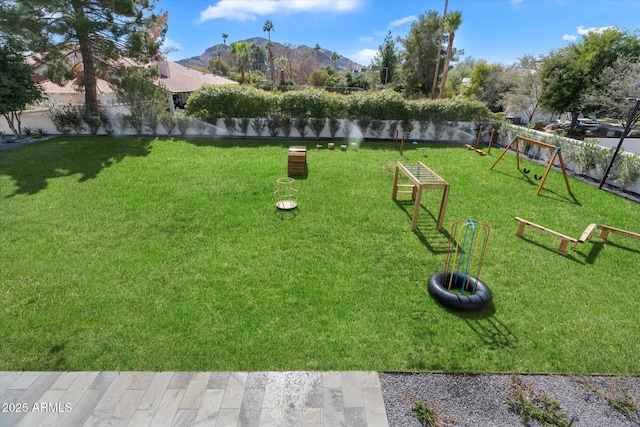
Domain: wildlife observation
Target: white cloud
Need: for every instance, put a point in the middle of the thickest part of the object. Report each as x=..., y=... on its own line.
x=402, y=21
x=584, y=31
x=243, y=10
x=364, y=56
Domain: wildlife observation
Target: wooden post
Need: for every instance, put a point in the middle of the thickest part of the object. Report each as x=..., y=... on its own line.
x=479, y=137
x=493, y=134
x=402, y=144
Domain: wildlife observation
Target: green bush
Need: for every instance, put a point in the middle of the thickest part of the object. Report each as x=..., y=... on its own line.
x=246, y=101
x=229, y=101
x=311, y=103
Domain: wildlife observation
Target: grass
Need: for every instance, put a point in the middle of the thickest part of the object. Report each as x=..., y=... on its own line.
x=140, y=254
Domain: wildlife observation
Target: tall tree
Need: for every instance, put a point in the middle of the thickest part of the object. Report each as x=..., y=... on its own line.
x=17, y=89
x=524, y=94
x=268, y=27
x=241, y=51
x=453, y=22
x=97, y=32
x=335, y=57
x=435, y=75
x=225, y=36
x=569, y=75
x=387, y=59
x=488, y=84
x=421, y=46
x=317, y=49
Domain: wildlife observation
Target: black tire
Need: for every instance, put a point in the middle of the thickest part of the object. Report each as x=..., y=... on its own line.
x=476, y=301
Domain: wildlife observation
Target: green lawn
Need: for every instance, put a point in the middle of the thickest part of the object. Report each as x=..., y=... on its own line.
x=139, y=254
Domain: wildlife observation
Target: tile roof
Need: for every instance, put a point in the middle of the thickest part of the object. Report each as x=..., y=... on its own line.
x=180, y=79
x=183, y=79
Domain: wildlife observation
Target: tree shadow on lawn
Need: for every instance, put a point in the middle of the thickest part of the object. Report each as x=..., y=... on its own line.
x=32, y=166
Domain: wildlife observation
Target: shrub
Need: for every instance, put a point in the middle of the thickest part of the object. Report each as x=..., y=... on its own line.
x=407, y=126
x=363, y=123
x=230, y=124
x=311, y=103
x=258, y=125
x=317, y=125
x=168, y=122
x=229, y=101
x=629, y=169
x=68, y=118
x=393, y=127
x=301, y=124
x=273, y=124
x=587, y=157
x=182, y=123
x=243, y=124
x=377, y=126
x=334, y=126
x=286, y=123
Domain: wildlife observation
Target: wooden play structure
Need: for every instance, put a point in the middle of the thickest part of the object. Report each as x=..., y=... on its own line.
x=421, y=178
x=297, y=160
x=586, y=234
x=564, y=240
x=556, y=154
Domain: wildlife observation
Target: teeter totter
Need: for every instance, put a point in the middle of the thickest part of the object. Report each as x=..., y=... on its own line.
x=586, y=234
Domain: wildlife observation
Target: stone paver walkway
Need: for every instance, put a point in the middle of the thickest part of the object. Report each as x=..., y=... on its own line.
x=73, y=399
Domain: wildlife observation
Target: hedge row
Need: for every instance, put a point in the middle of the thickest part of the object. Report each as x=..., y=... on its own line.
x=246, y=101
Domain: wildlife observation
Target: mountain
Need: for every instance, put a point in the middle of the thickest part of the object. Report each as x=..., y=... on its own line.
x=279, y=50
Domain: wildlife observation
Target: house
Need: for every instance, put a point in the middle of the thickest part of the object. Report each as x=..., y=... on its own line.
x=177, y=79
x=181, y=81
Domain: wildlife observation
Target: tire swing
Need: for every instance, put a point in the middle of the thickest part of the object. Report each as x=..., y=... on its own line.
x=476, y=295
x=455, y=287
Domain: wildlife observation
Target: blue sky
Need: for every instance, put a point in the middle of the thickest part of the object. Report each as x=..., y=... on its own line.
x=499, y=31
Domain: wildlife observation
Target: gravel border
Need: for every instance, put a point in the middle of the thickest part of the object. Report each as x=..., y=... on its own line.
x=479, y=400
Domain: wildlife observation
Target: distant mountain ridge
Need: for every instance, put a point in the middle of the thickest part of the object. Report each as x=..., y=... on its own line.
x=279, y=49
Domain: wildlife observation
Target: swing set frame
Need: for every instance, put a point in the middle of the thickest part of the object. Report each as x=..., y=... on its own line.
x=556, y=154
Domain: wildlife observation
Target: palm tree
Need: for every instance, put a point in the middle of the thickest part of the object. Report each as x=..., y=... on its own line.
x=317, y=49
x=225, y=36
x=241, y=51
x=219, y=48
x=435, y=76
x=268, y=27
x=454, y=20
x=335, y=56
